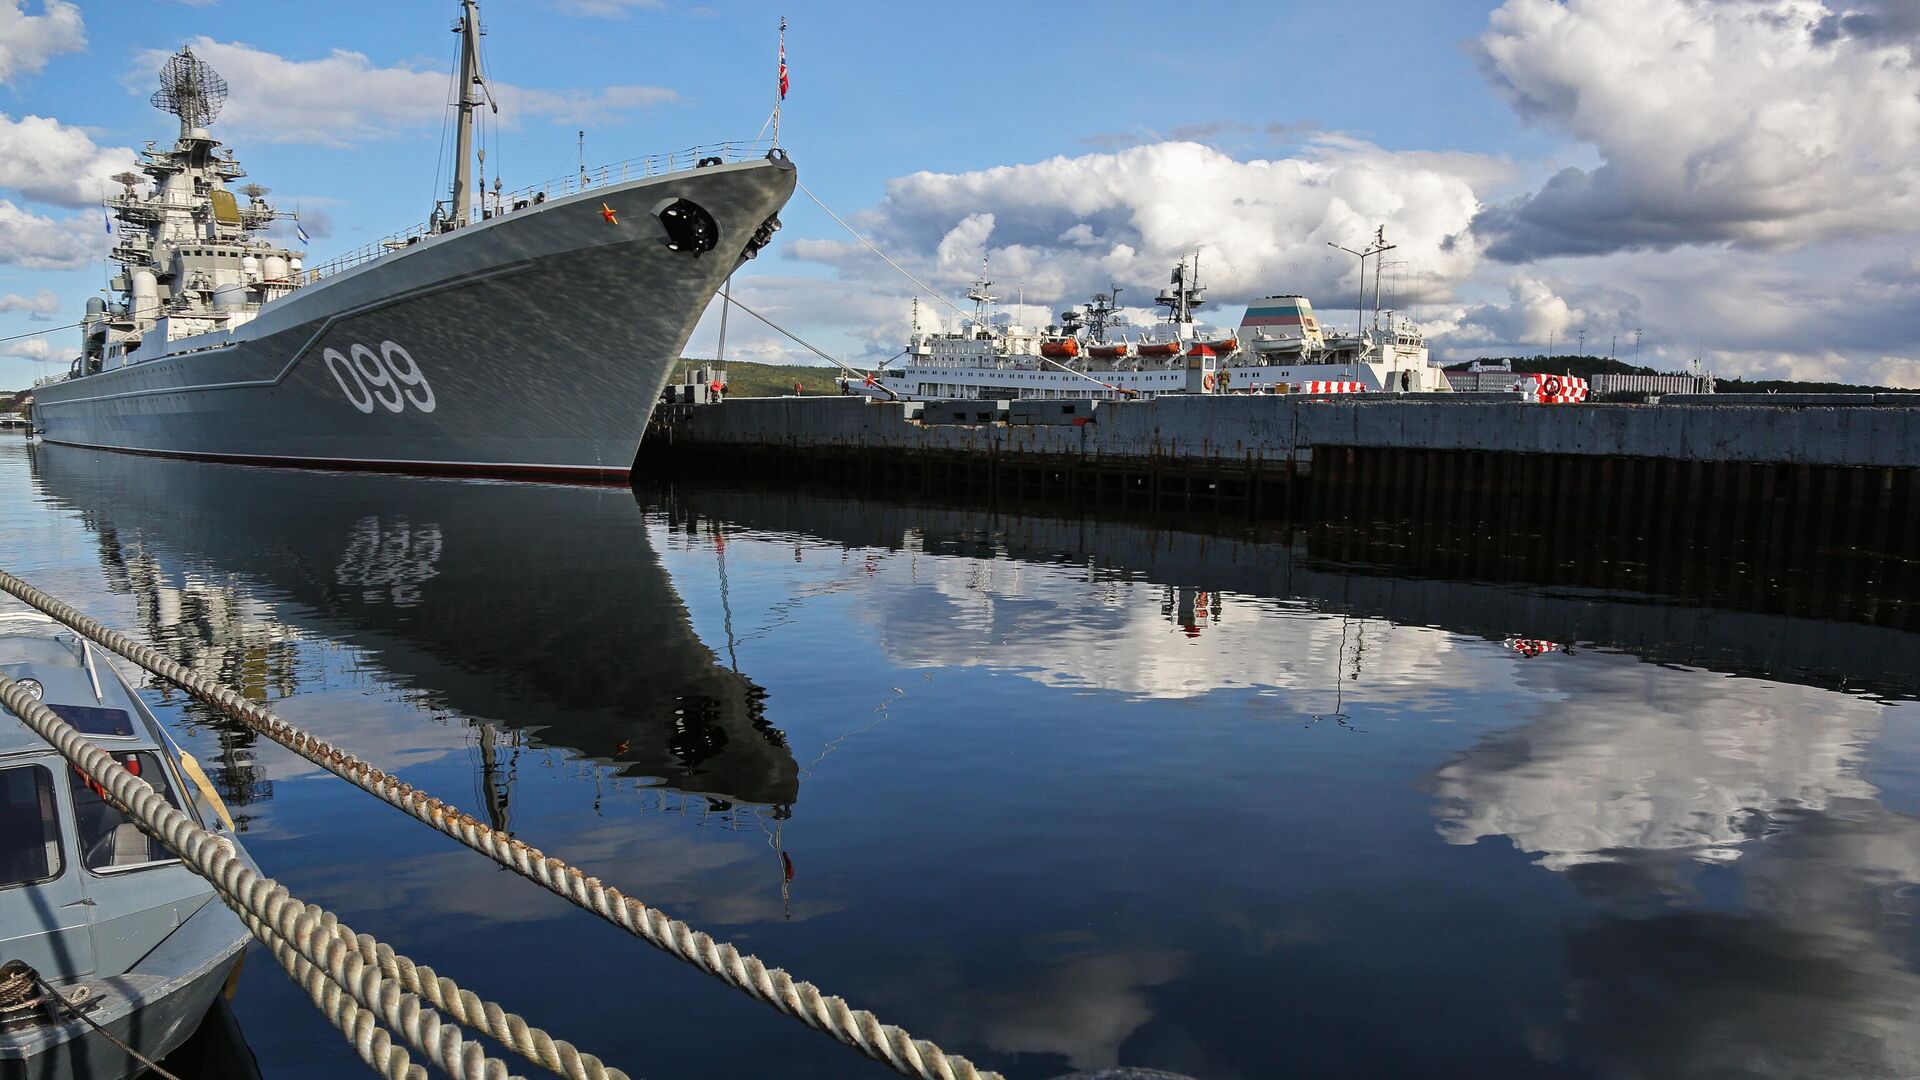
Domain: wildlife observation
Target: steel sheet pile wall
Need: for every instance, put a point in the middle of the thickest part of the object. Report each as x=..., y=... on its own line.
x=1275, y=457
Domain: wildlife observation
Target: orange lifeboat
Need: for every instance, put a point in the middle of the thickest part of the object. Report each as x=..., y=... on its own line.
x=1107, y=352
x=1064, y=349
x=1158, y=348
x=1224, y=345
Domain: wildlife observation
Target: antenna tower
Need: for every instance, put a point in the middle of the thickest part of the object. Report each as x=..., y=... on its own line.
x=191, y=90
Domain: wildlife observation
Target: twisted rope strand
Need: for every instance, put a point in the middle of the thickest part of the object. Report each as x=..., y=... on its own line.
x=251, y=894
x=801, y=1000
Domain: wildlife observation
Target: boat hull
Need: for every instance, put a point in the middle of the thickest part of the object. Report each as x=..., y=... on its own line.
x=1147, y=380
x=533, y=343
x=153, y=1008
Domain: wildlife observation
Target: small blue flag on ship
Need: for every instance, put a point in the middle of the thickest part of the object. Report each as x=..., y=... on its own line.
x=108, y=218
x=300, y=231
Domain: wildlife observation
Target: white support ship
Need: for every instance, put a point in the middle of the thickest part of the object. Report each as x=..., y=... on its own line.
x=522, y=333
x=1279, y=347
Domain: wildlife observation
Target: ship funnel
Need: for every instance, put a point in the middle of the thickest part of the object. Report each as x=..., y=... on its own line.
x=1281, y=323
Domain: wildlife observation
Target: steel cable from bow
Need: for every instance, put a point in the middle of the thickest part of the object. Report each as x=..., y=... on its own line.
x=288, y=923
x=801, y=1000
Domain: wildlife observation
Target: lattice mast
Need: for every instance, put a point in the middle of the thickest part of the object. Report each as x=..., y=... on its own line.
x=191, y=90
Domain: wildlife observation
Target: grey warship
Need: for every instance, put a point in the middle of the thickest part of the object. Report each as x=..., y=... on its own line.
x=523, y=334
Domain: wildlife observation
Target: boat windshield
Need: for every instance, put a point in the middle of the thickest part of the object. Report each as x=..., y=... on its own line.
x=113, y=723
x=109, y=841
x=29, y=827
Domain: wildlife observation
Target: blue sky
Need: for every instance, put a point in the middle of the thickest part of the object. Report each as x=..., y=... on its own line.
x=1549, y=166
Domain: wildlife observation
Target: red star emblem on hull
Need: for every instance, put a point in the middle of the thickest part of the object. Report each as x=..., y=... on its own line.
x=607, y=212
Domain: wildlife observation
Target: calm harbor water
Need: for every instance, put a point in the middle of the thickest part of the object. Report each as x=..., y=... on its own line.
x=1054, y=793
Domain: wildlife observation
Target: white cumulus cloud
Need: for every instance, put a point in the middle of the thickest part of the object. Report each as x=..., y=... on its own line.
x=1761, y=123
x=1534, y=315
x=35, y=348
x=35, y=242
x=47, y=161
x=40, y=306
x=1068, y=226
x=27, y=42
x=344, y=97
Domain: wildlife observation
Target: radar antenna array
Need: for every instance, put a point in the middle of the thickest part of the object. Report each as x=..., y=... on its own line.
x=191, y=90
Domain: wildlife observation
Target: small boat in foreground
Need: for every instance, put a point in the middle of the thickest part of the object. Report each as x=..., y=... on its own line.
x=119, y=928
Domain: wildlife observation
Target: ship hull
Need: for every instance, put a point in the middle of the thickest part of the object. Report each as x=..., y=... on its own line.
x=1147, y=381
x=535, y=343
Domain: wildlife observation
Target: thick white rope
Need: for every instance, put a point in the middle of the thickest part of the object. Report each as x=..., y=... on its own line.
x=801, y=1000
x=373, y=1043
x=282, y=920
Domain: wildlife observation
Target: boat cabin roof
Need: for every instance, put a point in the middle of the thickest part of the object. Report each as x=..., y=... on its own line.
x=78, y=686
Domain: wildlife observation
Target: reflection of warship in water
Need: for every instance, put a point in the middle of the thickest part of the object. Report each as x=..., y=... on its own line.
x=541, y=609
x=217, y=632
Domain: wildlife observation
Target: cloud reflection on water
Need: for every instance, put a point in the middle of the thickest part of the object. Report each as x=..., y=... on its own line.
x=1754, y=899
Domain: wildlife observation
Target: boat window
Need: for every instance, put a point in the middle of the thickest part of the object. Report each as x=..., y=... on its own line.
x=114, y=723
x=109, y=841
x=29, y=827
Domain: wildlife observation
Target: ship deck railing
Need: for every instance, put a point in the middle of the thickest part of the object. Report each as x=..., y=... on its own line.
x=493, y=205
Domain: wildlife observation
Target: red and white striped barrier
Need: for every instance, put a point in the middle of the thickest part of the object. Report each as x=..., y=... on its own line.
x=1553, y=389
x=1319, y=386
x=1532, y=647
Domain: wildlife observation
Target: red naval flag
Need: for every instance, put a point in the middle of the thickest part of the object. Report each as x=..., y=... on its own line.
x=783, y=59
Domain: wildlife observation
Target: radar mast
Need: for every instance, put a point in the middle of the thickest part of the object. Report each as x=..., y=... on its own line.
x=983, y=302
x=191, y=90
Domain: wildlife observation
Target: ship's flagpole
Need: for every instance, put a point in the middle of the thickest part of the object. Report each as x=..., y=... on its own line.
x=782, y=84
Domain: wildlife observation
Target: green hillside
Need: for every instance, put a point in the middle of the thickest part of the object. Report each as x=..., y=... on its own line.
x=768, y=380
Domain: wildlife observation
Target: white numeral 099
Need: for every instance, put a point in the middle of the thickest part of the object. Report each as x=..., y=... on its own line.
x=391, y=379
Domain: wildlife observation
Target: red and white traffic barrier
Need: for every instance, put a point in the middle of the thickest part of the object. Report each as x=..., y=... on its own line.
x=1553, y=389
x=1321, y=386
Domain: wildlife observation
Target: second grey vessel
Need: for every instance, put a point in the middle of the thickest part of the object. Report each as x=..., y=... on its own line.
x=528, y=334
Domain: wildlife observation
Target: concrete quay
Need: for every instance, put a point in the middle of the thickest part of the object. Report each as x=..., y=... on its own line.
x=1198, y=429
x=1847, y=474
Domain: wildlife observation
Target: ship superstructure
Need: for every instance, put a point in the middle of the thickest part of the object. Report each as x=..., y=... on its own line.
x=192, y=258
x=515, y=333
x=1279, y=347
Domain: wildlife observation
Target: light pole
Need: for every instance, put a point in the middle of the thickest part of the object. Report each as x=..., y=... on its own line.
x=1378, y=246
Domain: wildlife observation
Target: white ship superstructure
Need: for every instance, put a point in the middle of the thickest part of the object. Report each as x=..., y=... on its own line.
x=512, y=333
x=1279, y=347
x=191, y=254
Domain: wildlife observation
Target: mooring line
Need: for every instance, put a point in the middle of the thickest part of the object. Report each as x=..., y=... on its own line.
x=868, y=377
x=801, y=1000
x=270, y=912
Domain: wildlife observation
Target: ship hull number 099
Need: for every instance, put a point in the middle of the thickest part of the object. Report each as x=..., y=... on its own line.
x=387, y=379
